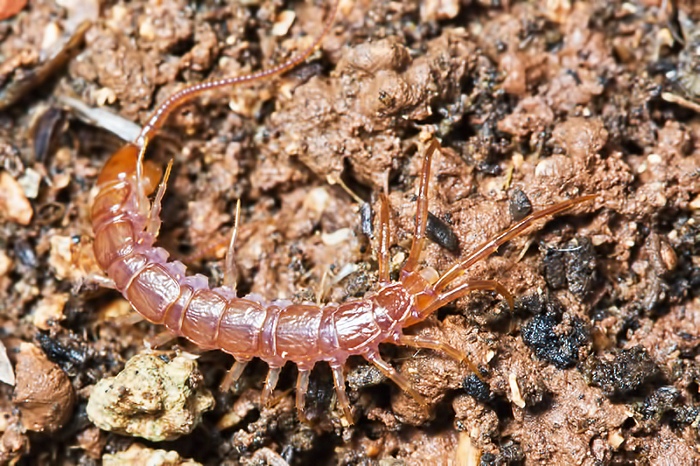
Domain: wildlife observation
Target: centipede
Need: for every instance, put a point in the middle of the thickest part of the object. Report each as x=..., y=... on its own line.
x=126, y=223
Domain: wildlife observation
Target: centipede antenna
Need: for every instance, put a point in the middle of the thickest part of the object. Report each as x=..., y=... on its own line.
x=160, y=115
x=491, y=246
x=230, y=275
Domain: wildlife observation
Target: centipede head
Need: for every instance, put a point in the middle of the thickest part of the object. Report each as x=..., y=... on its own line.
x=431, y=291
x=122, y=164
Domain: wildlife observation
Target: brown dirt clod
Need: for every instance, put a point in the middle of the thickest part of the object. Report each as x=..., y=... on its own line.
x=43, y=392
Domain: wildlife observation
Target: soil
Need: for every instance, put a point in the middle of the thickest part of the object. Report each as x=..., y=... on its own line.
x=534, y=103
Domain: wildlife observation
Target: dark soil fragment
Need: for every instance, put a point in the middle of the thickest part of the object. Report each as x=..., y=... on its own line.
x=551, y=340
x=440, y=233
x=511, y=453
x=572, y=266
x=477, y=388
x=520, y=205
x=666, y=405
x=621, y=372
x=364, y=375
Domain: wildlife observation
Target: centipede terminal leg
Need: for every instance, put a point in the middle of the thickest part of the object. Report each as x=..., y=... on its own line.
x=421, y=212
x=492, y=245
x=459, y=292
x=467, y=287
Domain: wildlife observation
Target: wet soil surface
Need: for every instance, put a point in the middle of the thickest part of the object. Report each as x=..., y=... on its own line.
x=534, y=103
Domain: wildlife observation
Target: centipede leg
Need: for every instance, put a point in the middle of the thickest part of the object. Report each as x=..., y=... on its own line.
x=128, y=320
x=98, y=279
x=322, y=288
x=421, y=212
x=466, y=288
x=230, y=273
x=384, y=238
x=233, y=375
x=402, y=382
x=437, y=345
x=515, y=230
x=302, y=388
x=273, y=376
x=339, y=383
x=154, y=222
x=160, y=339
x=139, y=169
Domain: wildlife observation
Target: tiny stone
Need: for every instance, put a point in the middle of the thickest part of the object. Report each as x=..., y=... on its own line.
x=151, y=399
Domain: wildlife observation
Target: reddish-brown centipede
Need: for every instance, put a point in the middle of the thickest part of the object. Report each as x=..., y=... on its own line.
x=126, y=225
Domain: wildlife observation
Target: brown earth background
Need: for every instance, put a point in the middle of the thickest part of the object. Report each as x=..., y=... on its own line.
x=534, y=102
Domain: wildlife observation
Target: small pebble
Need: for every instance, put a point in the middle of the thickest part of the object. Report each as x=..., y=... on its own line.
x=61, y=256
x=49, y=310
x=30, y=182
x=14, y=205
x=151, y=398
x=284, y=21
x=434, y=10
x=7, y=375
x=138, y=455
